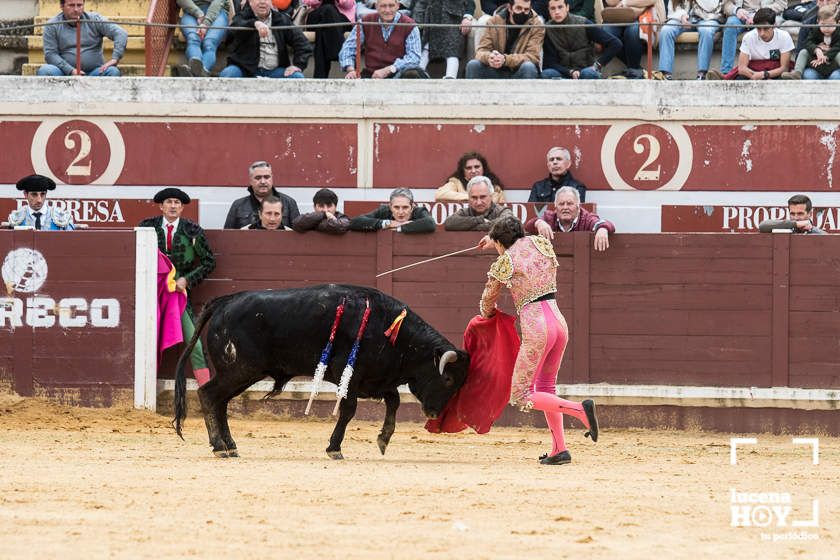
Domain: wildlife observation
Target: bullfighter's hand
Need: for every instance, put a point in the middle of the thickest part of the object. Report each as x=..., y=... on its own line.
x=181, y=284
x=486, y=243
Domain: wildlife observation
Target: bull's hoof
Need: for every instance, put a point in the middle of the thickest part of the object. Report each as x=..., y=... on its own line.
x=225, y=453
x=336, y=455
x=382, y=443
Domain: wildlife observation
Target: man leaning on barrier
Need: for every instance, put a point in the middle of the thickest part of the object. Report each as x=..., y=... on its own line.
x=60, y=43
x=800, y=212
x=401, y=214
x=36, y=214
x=569, y=216
x=480, y=212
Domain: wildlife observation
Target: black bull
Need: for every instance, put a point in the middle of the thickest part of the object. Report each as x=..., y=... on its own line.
x=281, y=334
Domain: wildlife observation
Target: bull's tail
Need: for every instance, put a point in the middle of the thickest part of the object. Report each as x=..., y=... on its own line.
x=180, y=399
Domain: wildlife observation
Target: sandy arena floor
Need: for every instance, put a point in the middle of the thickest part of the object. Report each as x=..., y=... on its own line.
x=84, y=483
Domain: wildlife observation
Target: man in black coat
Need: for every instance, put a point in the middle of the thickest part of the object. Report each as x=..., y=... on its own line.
x=246, y=210
x=558, y=160
x=264, y=51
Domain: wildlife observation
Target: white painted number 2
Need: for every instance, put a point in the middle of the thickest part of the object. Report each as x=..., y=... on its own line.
x=645, y=174
x=84, y=144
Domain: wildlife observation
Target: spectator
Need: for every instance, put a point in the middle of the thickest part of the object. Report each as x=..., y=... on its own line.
x=447, y=43
x=800, y=214
x=480, y=212
x=184, y=242
x=822, y=47
x=35, y=214
x=245, y=211
x=569, y=52
x=270, y=215
x=509, y=52
x=389, y=50
x=325, y=218
x=569, y=216
x=807, y=18
x=265, y=53
x=328, y=40
x=740, y=15
x=203, y=24
x=60, y=43
x=559, y=160
x=400, y=214
x=471, y=164
x=632, y=38
x=765, y=51
x=690, y=15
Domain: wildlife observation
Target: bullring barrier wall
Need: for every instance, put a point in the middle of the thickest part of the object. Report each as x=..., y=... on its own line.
x=727, y=331
x=642, y=147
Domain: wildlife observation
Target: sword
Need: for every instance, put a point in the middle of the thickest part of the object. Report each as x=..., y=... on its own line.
x=427, y=261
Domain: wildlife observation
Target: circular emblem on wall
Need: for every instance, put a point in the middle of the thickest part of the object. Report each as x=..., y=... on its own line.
x=24, y=270
x=645, y=156
x=78, y=152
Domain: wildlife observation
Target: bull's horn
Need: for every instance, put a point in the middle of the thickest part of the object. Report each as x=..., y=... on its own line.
x=448, y=356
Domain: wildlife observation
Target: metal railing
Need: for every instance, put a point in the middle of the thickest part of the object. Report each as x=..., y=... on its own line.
x=162, y=22
x=159, y=37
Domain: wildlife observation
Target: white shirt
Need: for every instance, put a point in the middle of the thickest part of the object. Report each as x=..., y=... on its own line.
x=756, y=49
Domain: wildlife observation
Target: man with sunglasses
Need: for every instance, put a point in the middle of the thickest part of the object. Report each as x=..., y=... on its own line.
x=245, y=211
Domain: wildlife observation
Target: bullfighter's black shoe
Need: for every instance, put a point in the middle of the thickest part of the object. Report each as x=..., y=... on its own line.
x=562, y=458
x=589, y=409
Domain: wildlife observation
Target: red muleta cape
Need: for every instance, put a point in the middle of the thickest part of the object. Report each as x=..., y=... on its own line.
x=493, y=345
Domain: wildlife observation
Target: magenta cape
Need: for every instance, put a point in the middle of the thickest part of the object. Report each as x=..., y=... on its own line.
x=171, y=305
x=493, y=345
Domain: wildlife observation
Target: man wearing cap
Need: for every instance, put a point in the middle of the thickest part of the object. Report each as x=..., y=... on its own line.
x=36, y=214
x=245, y=211
x=184, y=242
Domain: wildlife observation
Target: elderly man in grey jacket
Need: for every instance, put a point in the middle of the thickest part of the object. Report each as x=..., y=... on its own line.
x=60, y=43
x=480, y=212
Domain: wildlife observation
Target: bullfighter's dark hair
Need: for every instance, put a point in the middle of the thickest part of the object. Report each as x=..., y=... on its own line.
x=270, y=199
x=800, y=199
x=326, y=197
x=506, y=231
x=462, y=162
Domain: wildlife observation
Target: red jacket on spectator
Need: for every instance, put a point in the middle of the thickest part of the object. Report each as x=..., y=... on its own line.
x=586, y=221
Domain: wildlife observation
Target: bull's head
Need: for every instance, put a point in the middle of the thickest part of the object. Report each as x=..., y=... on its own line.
x=434, y=386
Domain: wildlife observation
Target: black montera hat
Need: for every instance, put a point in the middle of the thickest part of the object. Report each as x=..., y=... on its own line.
x=172, y=192
x=35, y=183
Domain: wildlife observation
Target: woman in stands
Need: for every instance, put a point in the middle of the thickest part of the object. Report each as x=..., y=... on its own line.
x=527, y=265
x=470, y=165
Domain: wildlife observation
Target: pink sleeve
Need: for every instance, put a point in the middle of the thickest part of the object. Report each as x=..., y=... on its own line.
x=488, y=298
